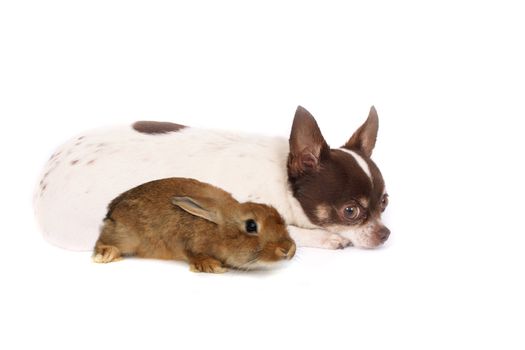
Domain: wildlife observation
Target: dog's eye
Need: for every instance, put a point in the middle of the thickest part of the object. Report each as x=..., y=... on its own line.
x=251, y=226
x=384, y=202
x=352, y=212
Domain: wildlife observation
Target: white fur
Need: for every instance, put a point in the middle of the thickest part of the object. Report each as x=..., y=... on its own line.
x=88, y=173
x=360, y=236
x=318, y=238
x=362, y=163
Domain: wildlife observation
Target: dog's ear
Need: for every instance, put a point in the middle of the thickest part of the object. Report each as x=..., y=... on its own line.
x=364, y=139
x=307, y=144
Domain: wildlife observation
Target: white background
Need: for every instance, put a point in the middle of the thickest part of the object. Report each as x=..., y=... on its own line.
x=448, y=80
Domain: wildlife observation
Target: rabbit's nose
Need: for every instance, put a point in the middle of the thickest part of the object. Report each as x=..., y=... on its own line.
x=286, y=253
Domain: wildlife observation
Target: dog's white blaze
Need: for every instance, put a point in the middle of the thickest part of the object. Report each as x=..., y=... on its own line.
x=362, y=163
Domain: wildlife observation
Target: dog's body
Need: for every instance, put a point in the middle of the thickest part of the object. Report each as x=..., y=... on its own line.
x=329, y=198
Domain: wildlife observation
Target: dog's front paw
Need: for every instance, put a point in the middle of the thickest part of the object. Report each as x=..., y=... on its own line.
x=335, y=241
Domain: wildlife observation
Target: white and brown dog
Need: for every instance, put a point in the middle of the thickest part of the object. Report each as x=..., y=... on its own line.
x=330, y=198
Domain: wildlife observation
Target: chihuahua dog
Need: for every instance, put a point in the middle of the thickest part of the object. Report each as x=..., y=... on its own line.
x=329, y=197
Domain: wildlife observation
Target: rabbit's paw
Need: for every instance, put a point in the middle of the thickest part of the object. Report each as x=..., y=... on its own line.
x=207, y=264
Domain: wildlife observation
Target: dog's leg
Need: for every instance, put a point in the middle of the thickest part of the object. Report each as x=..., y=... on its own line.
x=317, y=238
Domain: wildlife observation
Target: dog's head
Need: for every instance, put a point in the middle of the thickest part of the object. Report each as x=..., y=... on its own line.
x=339, y=189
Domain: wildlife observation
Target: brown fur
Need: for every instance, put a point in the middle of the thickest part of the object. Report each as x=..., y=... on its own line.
x=151, y=127
x=307, y=145
x=184, y=219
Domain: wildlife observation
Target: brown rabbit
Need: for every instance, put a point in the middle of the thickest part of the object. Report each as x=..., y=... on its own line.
x=184, y=219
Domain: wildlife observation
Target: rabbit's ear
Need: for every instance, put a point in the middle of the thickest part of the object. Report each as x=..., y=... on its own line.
x=202, y=208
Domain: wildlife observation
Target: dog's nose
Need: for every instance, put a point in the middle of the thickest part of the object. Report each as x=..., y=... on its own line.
x=383, y=233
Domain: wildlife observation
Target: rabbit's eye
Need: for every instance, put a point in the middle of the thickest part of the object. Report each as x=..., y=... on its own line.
x=251, y=226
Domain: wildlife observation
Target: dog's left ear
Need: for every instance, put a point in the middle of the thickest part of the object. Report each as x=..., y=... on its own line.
x=364, y=139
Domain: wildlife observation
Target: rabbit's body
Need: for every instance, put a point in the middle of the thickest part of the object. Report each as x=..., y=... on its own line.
x=184, y=219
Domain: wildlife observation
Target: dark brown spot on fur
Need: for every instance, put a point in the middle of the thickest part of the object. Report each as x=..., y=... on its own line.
x=151, y=127
x=73, y=162
x=91, y=162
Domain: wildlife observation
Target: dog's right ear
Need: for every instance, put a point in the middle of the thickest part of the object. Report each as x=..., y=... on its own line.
x=307, y=144
x=202, y=208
